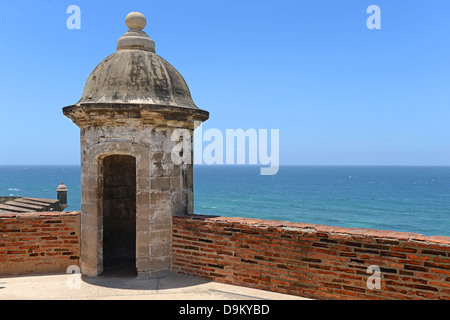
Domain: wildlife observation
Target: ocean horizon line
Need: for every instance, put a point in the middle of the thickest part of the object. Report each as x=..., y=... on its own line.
x=399, y=198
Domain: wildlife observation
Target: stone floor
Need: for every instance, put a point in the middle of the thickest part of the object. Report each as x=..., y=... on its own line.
x=172, y=287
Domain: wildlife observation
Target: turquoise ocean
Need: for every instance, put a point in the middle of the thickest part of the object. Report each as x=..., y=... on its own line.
x=409, y=199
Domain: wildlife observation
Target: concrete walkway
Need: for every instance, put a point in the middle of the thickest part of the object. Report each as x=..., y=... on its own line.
x=173, y=287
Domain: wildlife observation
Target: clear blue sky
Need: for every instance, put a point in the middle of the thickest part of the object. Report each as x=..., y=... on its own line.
x=340, y=94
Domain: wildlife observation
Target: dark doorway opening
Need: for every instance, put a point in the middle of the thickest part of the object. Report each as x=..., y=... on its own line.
x=119, y=216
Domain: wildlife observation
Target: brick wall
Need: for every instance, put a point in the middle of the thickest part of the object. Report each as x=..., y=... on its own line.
x=313, y=261
x=41, y=242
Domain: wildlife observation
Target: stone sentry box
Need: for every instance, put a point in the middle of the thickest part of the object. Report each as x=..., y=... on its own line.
x=130, y=187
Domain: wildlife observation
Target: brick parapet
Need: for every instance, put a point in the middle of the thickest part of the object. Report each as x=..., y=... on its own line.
x=315, y=261
x=39, y=242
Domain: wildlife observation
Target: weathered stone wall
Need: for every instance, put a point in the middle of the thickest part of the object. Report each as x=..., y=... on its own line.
x=163, y=189
x=41, y=242
x=313, y=261
x=131, y=104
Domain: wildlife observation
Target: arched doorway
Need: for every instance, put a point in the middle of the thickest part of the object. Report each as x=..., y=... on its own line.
x=119, y=215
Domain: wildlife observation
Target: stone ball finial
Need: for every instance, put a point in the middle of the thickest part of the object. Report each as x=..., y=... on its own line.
x=136, y=38
x=136, y=21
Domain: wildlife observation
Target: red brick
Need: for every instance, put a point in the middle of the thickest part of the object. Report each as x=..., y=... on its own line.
x=28, y=246
x=418, y=257
x=403, y=249
x=438, y=259
x=440, y=284
x=326, y=252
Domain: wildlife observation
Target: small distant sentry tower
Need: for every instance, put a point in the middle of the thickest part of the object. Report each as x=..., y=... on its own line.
x=62, y=196
x=130, y=186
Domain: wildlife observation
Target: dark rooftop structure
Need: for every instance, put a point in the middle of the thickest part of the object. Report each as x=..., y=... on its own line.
x=25, y=204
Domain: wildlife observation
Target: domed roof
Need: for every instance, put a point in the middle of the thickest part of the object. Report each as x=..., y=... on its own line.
x=135, y=74
x=62, y=187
